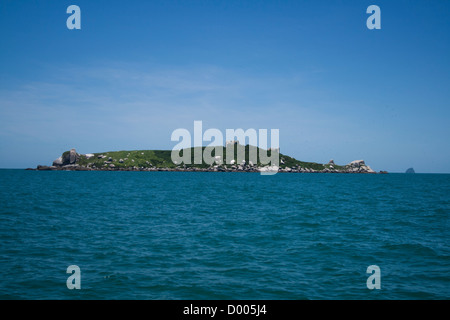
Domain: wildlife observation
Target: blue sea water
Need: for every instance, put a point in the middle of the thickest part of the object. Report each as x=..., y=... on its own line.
x=181, y=235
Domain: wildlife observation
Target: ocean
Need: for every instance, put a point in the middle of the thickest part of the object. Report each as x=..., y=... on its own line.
x=185, y=235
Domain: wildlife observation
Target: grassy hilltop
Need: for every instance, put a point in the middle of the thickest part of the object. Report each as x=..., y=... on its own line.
x=162, y=159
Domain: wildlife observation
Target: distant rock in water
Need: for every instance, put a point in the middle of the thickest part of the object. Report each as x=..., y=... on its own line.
x=410, y=170
x=39, y=167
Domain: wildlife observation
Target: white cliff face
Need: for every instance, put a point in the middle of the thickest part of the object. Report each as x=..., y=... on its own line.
x=73, y=156
x=67, y=159
x=58, y=162
x=369, y=169
x=357, y=163
x=359, y=166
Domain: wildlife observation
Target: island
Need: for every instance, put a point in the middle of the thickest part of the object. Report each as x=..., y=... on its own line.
x=160, y=160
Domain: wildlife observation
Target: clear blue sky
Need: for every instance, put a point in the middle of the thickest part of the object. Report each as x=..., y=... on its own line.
x=137, y=70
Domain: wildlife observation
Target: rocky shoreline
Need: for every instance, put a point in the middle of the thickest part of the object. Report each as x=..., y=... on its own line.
x=72, y=161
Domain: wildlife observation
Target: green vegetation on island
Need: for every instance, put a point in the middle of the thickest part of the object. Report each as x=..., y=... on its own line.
x=161, y=160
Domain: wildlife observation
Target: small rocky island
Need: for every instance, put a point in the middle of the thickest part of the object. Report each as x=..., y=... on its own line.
x=160, y=160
